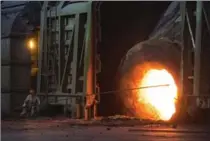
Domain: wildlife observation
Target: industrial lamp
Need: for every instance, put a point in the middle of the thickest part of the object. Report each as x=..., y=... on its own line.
x=31, y=44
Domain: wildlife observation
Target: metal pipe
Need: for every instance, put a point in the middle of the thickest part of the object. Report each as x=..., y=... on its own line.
x=183, y=14
x=206, y=19
x=196, y=88
x=190, y=30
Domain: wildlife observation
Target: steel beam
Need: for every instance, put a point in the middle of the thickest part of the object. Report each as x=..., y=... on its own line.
x=87, y=63
x=183, y=13
x=197, y=59
x=75, y=54
x=40, y=56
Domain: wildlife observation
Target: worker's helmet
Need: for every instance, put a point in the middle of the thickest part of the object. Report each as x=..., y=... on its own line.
x=31, y=91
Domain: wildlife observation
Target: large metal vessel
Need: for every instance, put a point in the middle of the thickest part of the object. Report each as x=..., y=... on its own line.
x=173, y=44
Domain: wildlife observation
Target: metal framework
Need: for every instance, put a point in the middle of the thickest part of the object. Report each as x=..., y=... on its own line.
x=183, y=22
x=193, y=19
x=68, y=58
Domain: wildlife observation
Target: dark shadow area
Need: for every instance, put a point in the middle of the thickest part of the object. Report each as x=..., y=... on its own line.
x=123, y=24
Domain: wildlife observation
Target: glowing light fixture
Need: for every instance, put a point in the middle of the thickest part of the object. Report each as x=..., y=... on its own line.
x=31, y=44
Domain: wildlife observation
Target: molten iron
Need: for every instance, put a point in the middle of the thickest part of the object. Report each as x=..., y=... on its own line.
x=159, y=101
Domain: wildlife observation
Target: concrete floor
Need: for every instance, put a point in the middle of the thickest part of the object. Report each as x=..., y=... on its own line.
x=63, y=130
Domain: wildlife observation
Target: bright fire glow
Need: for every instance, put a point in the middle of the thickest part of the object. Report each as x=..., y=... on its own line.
x=161, y=99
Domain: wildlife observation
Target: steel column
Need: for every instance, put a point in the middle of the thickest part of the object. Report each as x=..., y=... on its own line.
x=87, y=64
x=183, y=13
x=196, y=88
x=42, y=31
x=75, y=54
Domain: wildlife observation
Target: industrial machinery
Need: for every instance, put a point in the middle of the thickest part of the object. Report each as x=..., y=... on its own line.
x=190, y=26
x=176, y=46
x=68, y=60
x=65, y=50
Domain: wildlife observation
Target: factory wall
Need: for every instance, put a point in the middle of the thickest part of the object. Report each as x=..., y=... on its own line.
x=15, y=73
x=5, y=76
x=15, y=55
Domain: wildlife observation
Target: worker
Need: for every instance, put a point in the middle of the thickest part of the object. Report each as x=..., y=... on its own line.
x=31, y=104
